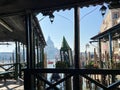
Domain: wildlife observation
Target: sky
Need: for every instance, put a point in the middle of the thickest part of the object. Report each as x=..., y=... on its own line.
x=7, y=48
x=63, y=25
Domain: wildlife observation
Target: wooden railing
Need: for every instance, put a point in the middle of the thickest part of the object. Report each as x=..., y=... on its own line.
x=71, y=72
x=11, y=71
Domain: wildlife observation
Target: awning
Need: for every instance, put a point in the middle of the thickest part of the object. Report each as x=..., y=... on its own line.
x=13, y=28
x=8, y=7
x=114, y=31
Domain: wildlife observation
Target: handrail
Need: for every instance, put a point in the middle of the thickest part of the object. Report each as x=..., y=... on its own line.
x=76, y=71
x=72, y=72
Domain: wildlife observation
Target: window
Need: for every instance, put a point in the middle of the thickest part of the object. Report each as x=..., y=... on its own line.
x=115, y=15
x=115, y=44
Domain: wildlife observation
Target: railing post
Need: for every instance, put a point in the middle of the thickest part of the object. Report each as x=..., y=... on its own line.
x=101, y=62
x=27, y=82
x=110, y=49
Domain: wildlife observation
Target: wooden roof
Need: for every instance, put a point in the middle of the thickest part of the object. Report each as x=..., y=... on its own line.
x=20, y=6
x=12, y=28
x=114, y=31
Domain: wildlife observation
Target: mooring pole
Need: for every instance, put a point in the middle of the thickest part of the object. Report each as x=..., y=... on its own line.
x=76, y=79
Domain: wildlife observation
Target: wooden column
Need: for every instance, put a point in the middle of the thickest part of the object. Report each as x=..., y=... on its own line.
x=29, y=82
x=77, y=82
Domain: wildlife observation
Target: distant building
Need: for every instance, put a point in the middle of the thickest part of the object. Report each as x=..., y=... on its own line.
x=6, y=57
x=112, y=18
x=50, y=49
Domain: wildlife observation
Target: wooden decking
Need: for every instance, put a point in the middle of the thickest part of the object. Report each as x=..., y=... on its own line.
x=11, y=84
x=7, y=83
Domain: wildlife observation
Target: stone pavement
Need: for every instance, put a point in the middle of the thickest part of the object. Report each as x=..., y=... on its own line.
x=11, y=84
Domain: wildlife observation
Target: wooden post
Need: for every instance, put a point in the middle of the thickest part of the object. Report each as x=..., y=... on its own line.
x=88, y=58
x=30, y=81
x=77, y=81
x=16, y=63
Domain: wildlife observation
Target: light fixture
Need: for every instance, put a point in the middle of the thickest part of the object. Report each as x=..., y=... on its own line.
x=5, y=25
x=51, y=16
x=103, y=10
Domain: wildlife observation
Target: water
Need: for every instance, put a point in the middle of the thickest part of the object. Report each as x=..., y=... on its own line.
x=61, y=86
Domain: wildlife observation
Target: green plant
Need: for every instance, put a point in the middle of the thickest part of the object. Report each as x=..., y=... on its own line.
x=62, y=64
x=39, y=64
x=116, y=65
x=91, y=65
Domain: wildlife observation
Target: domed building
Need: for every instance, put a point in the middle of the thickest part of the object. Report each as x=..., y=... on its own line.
x=50, y=49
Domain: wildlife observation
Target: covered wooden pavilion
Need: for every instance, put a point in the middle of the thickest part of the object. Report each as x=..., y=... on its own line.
x=109, y=35
x=114, y=31
x=18, y=23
